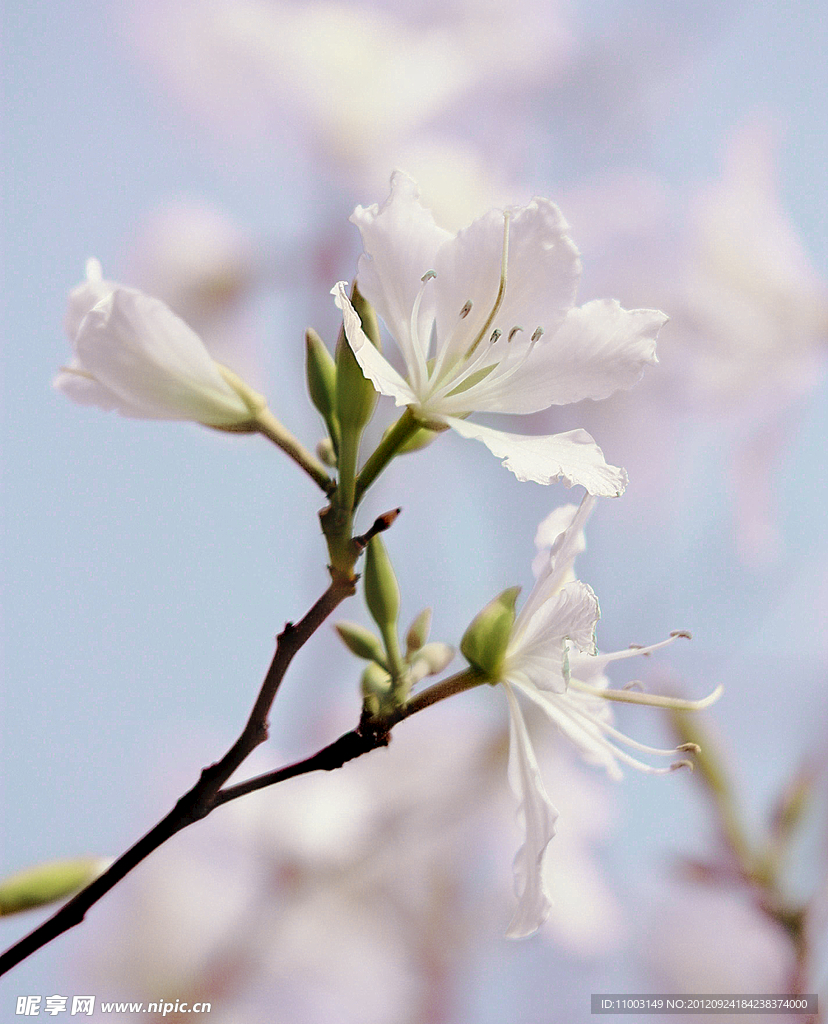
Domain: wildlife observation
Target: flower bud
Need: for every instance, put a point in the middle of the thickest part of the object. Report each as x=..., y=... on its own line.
x=376, y=688
x=418, y=632
x=361, y=641
x=485, y=641
x=321, y=376
x=46, y=883
x=430, y=660
x=382, y=592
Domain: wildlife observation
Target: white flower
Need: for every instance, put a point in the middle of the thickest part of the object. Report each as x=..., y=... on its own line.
x=133, y=354
x=498, y=298
x=551, y=661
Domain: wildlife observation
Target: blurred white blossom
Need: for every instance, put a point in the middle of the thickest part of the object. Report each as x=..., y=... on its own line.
x=352, y=78
x=703, y=939
x=197, y=260
x=498, y=298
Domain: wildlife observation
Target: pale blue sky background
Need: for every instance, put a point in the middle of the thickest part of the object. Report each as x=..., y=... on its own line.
x=147, y=566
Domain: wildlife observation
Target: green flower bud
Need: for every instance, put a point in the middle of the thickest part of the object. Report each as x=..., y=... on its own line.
x=361, y=641
x=418, y=632
x=376, y=688
x=326, y=453
x=47, y=883
x=485, y=641
x=321, y=376
x=382, y=593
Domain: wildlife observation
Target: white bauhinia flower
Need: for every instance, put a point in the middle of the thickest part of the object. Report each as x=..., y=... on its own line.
x=133, y=354
x=485, y=322
x=550, y=660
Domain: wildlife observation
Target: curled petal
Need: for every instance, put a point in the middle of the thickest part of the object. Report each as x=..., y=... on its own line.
x=374, y=365
x=537, y=816
x=572, y=457
x=547, y=623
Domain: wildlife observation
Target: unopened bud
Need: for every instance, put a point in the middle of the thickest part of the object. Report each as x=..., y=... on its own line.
x=382, y=593
x=361, y=641
x=321, y=375
x=485, y=641
x=376, y=688
x=325, y=452
x=46, y=883
x=418, y=632
x=430, y=660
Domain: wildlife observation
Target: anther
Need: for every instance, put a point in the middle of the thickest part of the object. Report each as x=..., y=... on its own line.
x=429, y=275
x=467, y=308
x=538, y=332
x=636, y=684
x=513, y=332
x=681, y=764
x=495, y=335
x=689, y=748
x=682, y=633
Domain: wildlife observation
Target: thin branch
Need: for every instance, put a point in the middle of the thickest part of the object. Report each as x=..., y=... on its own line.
x=368, y=735
x=204, y=796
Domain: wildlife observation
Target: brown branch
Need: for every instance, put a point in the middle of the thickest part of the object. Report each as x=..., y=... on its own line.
x=204, y=796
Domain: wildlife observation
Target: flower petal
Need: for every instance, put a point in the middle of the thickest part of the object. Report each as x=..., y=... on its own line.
x=537, y=816
x=546, y=625
x=572, y=457
x=139, y=350
x=84, y=389
x=400, y=239
x=374, y=365
x=598, y=349
x=541, y=275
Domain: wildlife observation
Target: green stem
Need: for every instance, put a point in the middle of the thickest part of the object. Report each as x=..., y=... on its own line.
x=468, y=679
x=267, y=425
x=403, y=430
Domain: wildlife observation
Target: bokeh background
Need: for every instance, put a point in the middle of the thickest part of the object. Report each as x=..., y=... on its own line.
x=211, y=152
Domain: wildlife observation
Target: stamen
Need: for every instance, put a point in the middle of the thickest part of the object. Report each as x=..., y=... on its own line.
x=464, y=312
x=420, y=371
x=495, y=335
x=513, y=332
x=651, y=699
x=501, y=291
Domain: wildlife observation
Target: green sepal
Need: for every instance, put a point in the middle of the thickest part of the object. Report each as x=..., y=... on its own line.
x=46, y=883
x=485, y=641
